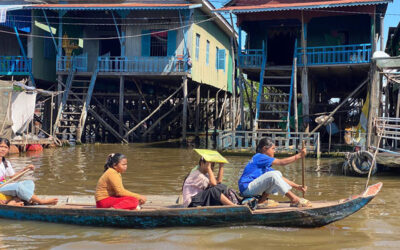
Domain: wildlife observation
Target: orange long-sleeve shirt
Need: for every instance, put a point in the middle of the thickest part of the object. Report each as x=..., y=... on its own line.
x=110, y=184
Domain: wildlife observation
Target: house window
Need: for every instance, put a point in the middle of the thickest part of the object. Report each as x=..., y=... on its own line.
x=158, y=43
x=220, y=59
x=197, y=46
x=208, y=52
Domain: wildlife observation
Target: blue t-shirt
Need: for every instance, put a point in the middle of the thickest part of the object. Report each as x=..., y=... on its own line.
x=257, y=166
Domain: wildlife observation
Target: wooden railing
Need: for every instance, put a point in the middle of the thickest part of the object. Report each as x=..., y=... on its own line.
x=284, y=141
x=15, y=65
x=251, y=58
x=141, y=64
x=80, y=63
x=344, y=54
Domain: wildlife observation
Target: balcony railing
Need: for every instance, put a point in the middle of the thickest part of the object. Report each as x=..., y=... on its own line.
x=344, y=54
x=15, y=65
x=80, y=63
x=141, y=64
x=251, y=58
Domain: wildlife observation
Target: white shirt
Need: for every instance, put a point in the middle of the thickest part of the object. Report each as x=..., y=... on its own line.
x=5, y=172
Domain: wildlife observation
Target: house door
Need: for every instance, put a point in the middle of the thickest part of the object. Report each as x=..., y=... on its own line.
x=280, y=46
x=111, y=46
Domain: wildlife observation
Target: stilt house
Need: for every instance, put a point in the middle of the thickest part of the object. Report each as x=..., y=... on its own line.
x=15, y=52
x=321, y=49
x=132, y=69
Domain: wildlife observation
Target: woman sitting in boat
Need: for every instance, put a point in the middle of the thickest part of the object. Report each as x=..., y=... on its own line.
x=201, y=188
x=259, y=178
x=21, y=192
x=110, y=193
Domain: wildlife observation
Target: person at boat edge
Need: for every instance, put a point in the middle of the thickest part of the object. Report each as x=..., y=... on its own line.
x=110, y=192
x=201, y=188
x=18, y=193
x=259, y=178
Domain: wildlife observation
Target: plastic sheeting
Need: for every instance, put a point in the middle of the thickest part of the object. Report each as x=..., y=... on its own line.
x=23, y=109
x=6, y=89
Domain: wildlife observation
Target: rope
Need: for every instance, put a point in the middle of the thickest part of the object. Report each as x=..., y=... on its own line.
x=380, y=132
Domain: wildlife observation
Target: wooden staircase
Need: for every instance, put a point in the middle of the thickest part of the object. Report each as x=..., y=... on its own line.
x=274, y=98
x=73, y=110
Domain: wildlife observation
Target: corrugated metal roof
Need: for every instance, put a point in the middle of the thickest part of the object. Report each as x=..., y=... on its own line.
x=291, y=5
x=122, y=6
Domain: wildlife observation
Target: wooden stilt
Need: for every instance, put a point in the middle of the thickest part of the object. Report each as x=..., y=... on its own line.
x=121, y=103
x=304, y=76
x=152, y=113
x=141, y=94
x=207, y=114
x=373, y=103
x=184, y=109
x=197, y=119
x=296, y=117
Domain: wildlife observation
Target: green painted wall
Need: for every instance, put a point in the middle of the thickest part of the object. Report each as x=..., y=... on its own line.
x=207, y=73
x=43, y=68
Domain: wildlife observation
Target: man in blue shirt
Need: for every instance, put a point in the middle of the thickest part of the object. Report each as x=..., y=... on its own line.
x=259, y=178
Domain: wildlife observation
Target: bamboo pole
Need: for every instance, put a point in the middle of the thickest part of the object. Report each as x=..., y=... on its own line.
x=141, y=94
x=339, y=106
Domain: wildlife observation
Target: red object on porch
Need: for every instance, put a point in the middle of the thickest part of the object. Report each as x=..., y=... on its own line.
x=34, y=147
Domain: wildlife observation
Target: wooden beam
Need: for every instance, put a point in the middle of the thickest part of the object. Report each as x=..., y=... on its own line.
x=105, y=124
x=197, y=108
x=121, y=103
x=141, y=93
x=296, y=117
x=163, y=116
x=184, y=109
x=152, y=113
x=304, y=76
x=339, y=106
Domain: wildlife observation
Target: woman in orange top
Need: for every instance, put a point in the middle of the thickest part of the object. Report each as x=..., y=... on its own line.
x=110, y=193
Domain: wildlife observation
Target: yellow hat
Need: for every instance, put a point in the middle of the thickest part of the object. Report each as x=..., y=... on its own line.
x=211, y=155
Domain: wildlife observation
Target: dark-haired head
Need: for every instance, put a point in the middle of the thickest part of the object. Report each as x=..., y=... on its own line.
x=113, y=160
x=264, y=142
x=7, y=143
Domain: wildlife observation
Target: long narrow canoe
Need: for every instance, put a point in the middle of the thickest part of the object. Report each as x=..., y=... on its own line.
x=164, y=212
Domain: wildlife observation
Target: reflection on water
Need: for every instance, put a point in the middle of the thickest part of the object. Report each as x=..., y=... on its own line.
x=151, y=170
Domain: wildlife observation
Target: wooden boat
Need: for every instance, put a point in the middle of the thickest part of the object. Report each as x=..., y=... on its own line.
x=164, y=212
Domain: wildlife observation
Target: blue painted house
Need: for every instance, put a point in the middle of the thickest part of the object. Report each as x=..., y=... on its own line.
x=328, y=43
x=117, y=62
x=15, y=49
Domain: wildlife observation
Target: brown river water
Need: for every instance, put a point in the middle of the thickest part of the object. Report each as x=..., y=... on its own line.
x=157, y=170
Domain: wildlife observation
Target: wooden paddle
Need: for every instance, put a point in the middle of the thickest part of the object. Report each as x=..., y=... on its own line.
x=15, y=177
x=303, y=168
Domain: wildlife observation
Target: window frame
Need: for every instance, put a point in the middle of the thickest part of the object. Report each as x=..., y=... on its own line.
x=208, y=52
x=197, y=51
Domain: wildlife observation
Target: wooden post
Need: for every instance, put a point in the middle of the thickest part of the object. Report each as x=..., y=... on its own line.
x=51, y=114
x=121, y=103
x=207, y=113
x=184, y=109
x=197, y=119
x=373, y=102
x=382, y=34
x=296, y=117
x=304, y=76
x=251, y=106
x=233, y=107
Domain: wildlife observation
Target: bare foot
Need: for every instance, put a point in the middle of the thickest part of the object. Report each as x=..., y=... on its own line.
x=15, y=203
x=52, y=201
